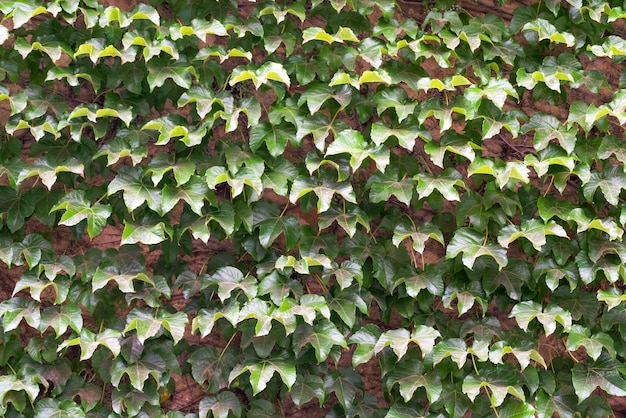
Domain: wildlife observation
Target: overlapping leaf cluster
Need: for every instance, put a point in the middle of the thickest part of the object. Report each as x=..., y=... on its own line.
x=298, y=192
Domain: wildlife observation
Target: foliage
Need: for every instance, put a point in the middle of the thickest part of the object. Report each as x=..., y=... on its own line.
x=258, y=202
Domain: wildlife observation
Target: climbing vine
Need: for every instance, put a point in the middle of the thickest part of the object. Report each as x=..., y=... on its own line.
x=347, y=208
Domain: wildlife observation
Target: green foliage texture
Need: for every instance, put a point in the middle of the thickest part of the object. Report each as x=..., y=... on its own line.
x=249, y=207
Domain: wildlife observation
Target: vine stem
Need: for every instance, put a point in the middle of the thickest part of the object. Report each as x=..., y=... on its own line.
x=232, y=337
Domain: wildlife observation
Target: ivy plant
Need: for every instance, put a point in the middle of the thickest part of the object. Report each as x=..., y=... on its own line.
x=329, y=208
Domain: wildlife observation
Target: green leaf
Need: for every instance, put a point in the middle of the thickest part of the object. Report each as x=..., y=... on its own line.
x=136, y=192
x=444, y=183
x=515, y=275
x=430, y=279
x=323, y=337
x=603, y=373
x=610, y=181
x=545, y=30
x=209, y=365
x=231, y=278
x=77, y=209
x=418, y=235
x=262, y=371
x=398, y=340
x=59, y=318
x=275, y=137
x=318, y=94
x=517, y=410
x=533, y=230
x=52, y=408
x=221, y=405
x=365, y=339
x=352, y=142
x=458, y=351
x=383, y=186
x=323, y=190
x=498, y=381
x=547, y=128
x=581, y=336
x=147, y=325
x=162, y=69
x=89, y=342
x=525, y=312
x=410, y=375
x=124, y=277
x=143, y=233
x=193, y=192
x=473, y=245
x=11, y=382
x=306, y=388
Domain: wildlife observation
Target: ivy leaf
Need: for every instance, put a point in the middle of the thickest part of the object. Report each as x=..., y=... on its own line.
x=89, y=342
x=161, y=69
x=517, y=409
x=444, y=183
x=174, y=126
x=261, y=372
x=352, y=142
x=430, y=279
x=418, y=235
x=323, y=190
x=273, y=227
x=533, y=230
x=406, y=134
x=162, y=163
x=348, y=220
x=221, y=405
x=398, y=340
x=410, y=375
x=317, y=94
x=383, y=186
x=499, y=382
x=205, y=99
x=136, y=192
x=193, y=192
x=586, y=116
x=147, y=325
x=59, y=318
x=548, y=127
x=209, y=365
x=457, y=349
x=123, y=276
x=231, y=278
x=611, y=181
x=581, y=336
x=15, y=309
x=603, y=373
x=306, y=388
x=275, y=137
x=11, y=382
x=143, y=233
x=394, y=98
x=345, y=303
x=515, y=275
x=52, y=408
x=545, y=30
x=525, y=312
x=472, y=245
x=365, y=339
x=323, y=337
x=523, y=354
x=562, y=402
x=77, y=209
x=496, y=90
x=584, y=223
